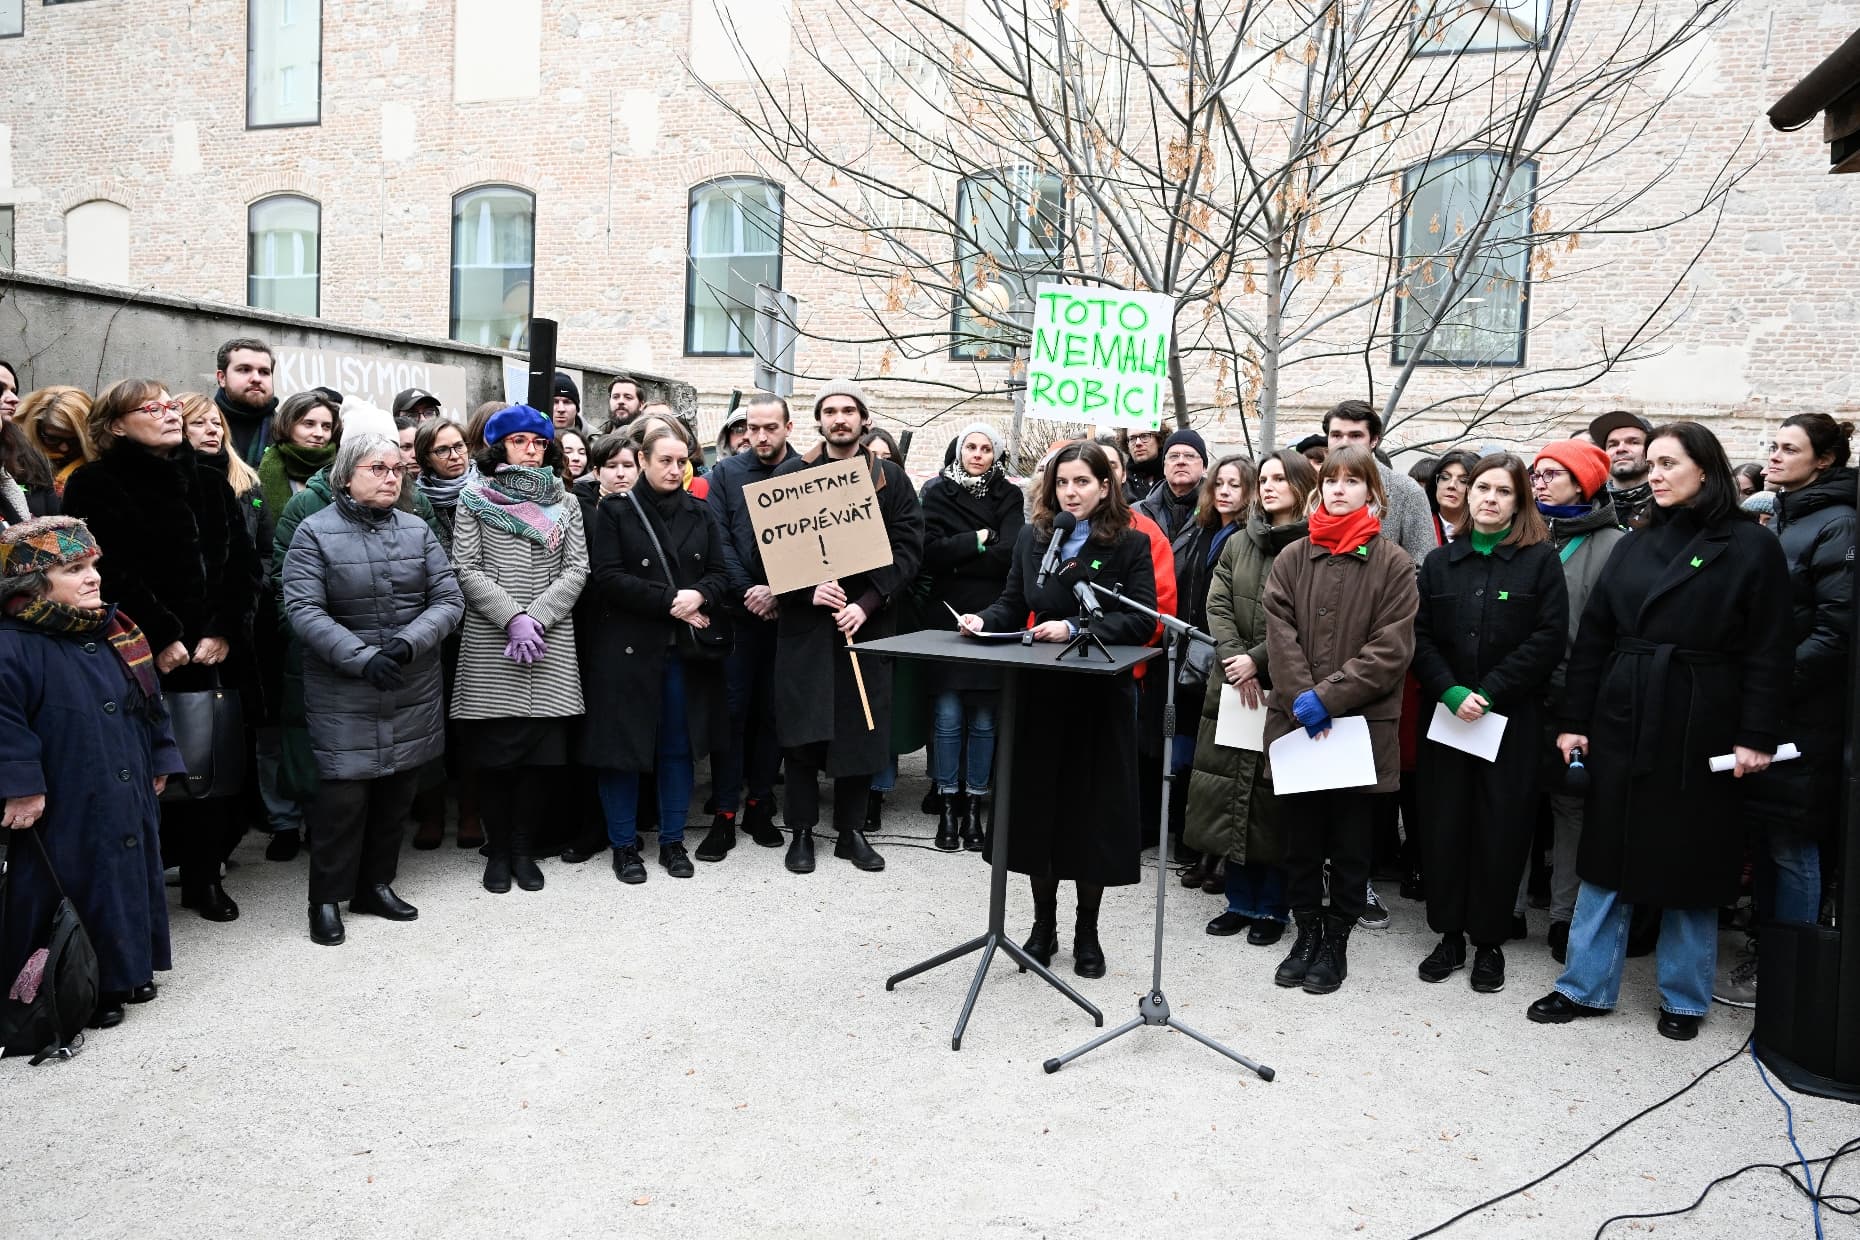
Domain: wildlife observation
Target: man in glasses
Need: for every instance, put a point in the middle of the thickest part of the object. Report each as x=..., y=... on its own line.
x=245, y=396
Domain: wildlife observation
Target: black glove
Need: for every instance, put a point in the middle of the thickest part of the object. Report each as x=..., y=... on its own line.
x=383, y=673
x=398, y=650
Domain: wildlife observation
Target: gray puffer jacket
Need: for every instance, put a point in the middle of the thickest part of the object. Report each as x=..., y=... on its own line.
x=354, y=578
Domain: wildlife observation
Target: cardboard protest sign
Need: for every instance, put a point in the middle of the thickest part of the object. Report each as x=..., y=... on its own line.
x=818, y=524
x=1100, y=356
x=368, y=377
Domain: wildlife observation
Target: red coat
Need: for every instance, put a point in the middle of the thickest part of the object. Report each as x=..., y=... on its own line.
x=1162, y=561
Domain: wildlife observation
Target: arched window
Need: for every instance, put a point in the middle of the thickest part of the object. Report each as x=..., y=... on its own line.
x=1484, y=316
x=97, y=242
x=1452, y=27
x=282, y=266
x=493, y=263
x=1010, y=234
x=733, y=245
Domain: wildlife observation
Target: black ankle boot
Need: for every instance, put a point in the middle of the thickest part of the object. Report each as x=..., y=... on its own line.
x=326, y=925
x=852, y=846
x=801, y=851
x=1292, y=969
x=1042, y=941
x=523, y=866
x=759, y=821
x=949, y=825
x=210, y=901
x=1087, y=955
x=978, y=821
x=1332, y=964
x=719, y=840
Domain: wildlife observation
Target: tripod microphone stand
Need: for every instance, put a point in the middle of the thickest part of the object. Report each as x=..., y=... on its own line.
x=1153, y=1008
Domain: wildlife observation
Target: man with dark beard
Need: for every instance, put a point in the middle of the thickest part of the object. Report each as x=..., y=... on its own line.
x=1623, y=436
x=244, y=396
x=818, y=711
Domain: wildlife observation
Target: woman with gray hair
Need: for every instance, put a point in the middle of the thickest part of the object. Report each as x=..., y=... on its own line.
x=370, y=594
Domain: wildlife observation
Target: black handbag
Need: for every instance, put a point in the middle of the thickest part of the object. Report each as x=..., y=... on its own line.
x=43, y=1011
x=707, y=644
x=209, y=730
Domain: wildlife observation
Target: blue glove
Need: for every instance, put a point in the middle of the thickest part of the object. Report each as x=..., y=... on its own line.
x=1310, y=711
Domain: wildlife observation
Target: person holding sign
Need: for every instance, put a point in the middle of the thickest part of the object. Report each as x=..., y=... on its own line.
x=1488, y=638
x=1075, y=807
x=1232, y=813
x=1340, y=610
x=1684, y=653
x=832, y=708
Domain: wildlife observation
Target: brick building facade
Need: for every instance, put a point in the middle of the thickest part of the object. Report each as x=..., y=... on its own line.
x=137, y=149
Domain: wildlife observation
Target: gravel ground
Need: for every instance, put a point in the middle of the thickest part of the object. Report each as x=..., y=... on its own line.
x=719, y=1057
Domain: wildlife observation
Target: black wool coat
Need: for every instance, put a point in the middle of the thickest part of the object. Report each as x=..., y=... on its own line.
x=1075, y=810
x=176, y=556
x=1683, y=652
x=957, y=572
x=633, y=632
x=816, y=696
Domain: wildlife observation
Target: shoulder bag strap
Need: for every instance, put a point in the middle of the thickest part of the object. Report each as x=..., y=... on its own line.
x=664, y=561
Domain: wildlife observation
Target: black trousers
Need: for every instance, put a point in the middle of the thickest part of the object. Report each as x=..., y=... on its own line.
x=751, y=753
x=513, y=801
x=1337, y=823
x=355, y=830
x=803, y=809
x=198, y=836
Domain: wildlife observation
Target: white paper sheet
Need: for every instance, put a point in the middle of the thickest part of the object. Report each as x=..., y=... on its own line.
x=1478, y=739
x=1785, y=752
x=1343, y=759
x=1238, y=726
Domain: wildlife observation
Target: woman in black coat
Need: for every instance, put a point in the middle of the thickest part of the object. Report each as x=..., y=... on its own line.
x=1488, y=637
x=653, y=678
x=177, y=558
x=973, y=516
x=1075, y=793
x=1683, y=655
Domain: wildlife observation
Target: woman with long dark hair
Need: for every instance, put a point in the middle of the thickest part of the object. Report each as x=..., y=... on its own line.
x=21, y=463
x=1075, y=793
x=304, y=435
x=1487, y=639
x=1683, y=655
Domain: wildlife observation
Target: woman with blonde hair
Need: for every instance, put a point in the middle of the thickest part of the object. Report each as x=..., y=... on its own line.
x=53, y=420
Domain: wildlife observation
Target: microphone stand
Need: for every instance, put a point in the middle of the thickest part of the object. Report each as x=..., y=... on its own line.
x=1086, y=641
x=1153, y=1008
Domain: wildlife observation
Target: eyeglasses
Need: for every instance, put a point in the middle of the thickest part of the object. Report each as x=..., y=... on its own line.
x=382, y=471
x=1548, y=475
x=157, y=408
x=454, y=449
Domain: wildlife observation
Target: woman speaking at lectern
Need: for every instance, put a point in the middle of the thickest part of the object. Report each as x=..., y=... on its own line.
x=1074, y=808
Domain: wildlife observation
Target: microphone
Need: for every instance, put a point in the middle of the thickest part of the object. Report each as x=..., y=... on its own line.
x=1063, y=525
x=1576, y=775
x=1088, y=600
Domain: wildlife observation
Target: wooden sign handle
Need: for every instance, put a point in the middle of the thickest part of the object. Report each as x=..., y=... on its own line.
x=859, y=679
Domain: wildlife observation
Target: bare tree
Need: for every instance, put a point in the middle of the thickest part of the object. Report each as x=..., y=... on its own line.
x=1383, y=188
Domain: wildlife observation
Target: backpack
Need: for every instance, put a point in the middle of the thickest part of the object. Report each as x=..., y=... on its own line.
x=45, y=1008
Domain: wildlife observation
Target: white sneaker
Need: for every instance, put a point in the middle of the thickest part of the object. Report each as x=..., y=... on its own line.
x=1375, y=913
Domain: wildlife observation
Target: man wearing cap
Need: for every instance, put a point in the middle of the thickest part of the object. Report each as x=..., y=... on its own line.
x=734, y=436
x=1623, y=437
x=818, y=711
x=1569, y=479
x=1171, y=504
x=416, y=403
x=565, y=410
x=752, y=752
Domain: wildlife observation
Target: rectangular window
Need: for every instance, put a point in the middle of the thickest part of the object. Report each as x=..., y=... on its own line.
x=740, y=40
x=1483, y=317
x=6, y=237
x=496, y=50
x=12, y=18
x=1009, y=237
x=284, y=63
x=284, y=238
x=735, y=244
x=1449, y=27
x=493, y=259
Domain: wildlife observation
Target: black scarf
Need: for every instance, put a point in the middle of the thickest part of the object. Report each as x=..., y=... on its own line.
x=248, y=430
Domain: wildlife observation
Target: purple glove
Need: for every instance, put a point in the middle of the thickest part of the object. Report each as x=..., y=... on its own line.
x=526, y=644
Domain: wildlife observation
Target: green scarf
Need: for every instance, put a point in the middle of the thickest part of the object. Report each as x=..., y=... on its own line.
x=1483, y=543
x=285, y=463
x=525, y=500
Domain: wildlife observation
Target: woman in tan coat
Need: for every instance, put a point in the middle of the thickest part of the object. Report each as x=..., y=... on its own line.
x=1340, y=607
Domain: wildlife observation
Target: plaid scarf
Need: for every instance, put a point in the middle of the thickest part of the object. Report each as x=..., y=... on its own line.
x=525, y=500
x=125, y=638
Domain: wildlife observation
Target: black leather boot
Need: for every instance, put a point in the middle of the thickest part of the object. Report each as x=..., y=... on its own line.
x=949, y=825
x=1292, y=969
x=523, y=867
x=1087, y=955
x=978, y=821
x=1332, y=964
x=211, y=902
x=381, y=901
x=719, y=840
x=326, y=925
x=1044, y=939
x=801, y=851
x=497, y=861
x=852, y=846
x=874, y=812
x=759, y=821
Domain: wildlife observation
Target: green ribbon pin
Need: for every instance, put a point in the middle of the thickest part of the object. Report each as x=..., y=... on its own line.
x=1696, y=562
x=1097, y=564
x=1504, y=596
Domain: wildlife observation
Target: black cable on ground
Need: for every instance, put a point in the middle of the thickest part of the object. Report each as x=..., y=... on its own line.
x=1840, y=1203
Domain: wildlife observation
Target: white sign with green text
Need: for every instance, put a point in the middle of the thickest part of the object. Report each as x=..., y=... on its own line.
x=1099, y=355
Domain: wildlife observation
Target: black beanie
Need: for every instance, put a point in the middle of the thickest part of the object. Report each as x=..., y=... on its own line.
x=1188, y=438
x=565, y=386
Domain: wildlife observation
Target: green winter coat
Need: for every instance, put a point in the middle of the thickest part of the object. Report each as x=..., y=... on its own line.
x=1230, y=801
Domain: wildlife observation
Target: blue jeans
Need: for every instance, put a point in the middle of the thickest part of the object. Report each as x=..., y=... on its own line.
x=1686, y=959
x=1257, y=890
x=953, y=709
x=620, y=789
x=1792, y=877
x=887, y=779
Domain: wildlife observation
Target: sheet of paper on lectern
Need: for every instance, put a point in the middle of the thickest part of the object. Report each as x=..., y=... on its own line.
x=1342, y=759
x=1239, y=726
x=1479, y=738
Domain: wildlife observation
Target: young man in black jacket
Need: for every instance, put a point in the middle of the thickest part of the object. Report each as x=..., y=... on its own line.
x=245, y=396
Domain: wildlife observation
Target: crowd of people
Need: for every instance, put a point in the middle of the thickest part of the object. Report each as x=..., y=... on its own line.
x=329, y=621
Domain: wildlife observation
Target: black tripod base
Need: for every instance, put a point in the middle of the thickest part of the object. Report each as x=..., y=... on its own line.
x=1153, y=1009
x=989, y=944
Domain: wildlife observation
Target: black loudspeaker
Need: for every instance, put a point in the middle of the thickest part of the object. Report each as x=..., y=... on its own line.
x=1799, y=1034
x=542, y=365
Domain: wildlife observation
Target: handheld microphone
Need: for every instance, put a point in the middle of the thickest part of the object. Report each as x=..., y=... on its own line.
x=1576, y=775
x=1063, y=525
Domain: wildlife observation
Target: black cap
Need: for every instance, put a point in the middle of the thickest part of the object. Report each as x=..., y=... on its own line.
x=412, y=399
x=565, y=386
x=330, y=394
x=1614, y=420
x=1311, y=441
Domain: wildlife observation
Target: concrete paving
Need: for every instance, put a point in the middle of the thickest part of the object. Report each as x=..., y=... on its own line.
x=719, y=1057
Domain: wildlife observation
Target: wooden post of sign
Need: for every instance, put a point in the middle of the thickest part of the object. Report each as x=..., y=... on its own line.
x=859, y=679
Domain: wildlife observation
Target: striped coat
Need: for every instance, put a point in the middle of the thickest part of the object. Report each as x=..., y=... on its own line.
x=503, y=575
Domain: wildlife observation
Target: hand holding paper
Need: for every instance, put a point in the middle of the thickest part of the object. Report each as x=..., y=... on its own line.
x=1342, y=759
x=1479, y=736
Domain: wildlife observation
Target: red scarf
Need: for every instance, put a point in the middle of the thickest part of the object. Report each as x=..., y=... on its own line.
x=1343, y=535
